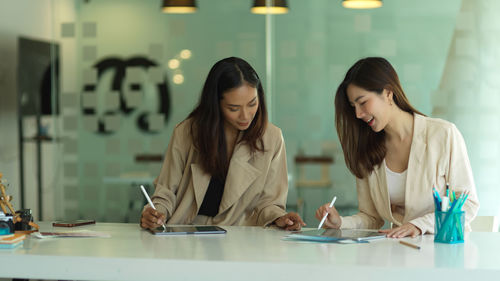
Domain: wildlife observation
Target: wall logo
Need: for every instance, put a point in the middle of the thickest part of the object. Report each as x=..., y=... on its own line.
x=127, y=93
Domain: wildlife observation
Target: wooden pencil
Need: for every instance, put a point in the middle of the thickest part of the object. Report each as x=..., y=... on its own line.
x=409, y=244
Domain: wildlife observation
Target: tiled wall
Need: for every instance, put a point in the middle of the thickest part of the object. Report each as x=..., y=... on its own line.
x=318, y=41
x=469, y=94
x=100, y=120
x=445, y=55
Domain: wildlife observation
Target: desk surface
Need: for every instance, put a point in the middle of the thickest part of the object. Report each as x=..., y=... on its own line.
x=244, y=253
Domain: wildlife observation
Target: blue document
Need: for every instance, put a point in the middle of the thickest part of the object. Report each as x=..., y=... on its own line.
x=11, y=245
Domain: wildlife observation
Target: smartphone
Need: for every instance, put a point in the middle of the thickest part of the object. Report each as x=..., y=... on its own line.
x=72, y=223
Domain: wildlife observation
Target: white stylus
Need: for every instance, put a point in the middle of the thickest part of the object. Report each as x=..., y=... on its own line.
x=324, y=217
x=150, y=202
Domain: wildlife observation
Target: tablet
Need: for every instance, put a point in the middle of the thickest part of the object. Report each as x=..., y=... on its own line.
x=182, y=230
x=354, y=234
x=337, y=234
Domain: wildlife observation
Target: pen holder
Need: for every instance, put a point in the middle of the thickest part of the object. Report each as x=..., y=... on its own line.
x=449, y=227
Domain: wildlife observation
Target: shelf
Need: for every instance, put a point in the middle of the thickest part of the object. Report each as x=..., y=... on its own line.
x=313, y=159
x=41, y=139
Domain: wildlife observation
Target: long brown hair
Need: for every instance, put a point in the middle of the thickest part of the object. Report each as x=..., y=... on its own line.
x=207, y=127
x=363, y=148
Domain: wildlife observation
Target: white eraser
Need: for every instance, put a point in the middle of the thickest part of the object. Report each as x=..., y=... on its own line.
x=445, y=203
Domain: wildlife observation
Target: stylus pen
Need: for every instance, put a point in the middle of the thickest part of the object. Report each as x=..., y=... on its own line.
x=150, y=202
x=324, y=217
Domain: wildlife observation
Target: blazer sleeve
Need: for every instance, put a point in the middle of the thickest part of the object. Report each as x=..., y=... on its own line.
x=171, y=172
x=368, y=217
x=272, y=201
x=425, y=223
x=460, y=178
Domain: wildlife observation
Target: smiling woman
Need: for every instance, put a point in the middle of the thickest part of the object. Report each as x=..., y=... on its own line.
x=369, y=90
x=225, y=164
x=396, y=153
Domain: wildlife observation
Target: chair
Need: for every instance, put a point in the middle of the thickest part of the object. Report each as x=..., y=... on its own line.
x=324, y=182
x=485, y=224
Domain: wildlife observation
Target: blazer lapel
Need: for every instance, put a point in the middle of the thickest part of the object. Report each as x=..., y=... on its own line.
x=240, y=176
x=418, y=144
x=415, y=171
x=383, y=191
x=200, y=184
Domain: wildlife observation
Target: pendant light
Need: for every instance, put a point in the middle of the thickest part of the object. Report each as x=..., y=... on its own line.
x=179, y=6
x=362, y=4
x=274, y=7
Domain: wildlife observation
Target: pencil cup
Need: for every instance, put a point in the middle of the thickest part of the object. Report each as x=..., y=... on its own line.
x=449, y=227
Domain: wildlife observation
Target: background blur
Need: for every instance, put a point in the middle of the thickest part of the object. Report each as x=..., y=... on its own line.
x=90, y=90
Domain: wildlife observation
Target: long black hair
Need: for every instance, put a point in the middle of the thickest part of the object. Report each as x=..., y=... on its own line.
x=207, y=127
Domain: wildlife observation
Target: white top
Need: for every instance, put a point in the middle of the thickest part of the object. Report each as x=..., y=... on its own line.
x=396, y=183
x=244, y=253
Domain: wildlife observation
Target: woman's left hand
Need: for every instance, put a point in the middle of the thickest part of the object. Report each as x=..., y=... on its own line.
x=405, y=230
x=290, y=221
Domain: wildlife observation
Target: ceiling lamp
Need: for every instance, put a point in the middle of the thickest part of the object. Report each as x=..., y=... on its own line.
x=269, y=7
x=362, y=4
x=179, y=6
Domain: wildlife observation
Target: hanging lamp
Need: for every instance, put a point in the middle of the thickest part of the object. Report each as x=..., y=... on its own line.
x=179, y=6
x=362, y=4
x=269, y=7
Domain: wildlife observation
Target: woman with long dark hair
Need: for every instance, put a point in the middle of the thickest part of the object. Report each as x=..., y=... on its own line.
x=226, y=163
x=396, y=153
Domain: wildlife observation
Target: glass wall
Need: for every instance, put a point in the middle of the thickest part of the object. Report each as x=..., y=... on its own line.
x=314, y=46
x=129, y=73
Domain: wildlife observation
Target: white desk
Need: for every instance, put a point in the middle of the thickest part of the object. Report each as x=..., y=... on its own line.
x=245, y=253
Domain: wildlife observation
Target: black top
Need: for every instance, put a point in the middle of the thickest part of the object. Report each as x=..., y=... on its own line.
x=211, y=202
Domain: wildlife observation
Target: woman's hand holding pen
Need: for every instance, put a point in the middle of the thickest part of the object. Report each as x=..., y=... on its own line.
x=290, y=221
x=333, y=219
x=405, y=230
x=151, y=218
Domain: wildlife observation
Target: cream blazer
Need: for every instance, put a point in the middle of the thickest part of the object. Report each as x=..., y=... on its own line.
x=255, y=190
x=438, y=155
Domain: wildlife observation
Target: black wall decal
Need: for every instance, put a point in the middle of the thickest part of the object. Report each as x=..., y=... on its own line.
x=119, y=67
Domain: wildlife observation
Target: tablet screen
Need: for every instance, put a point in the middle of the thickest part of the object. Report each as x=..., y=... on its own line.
x=179, y=230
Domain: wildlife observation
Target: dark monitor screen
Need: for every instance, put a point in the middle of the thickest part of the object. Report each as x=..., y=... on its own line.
x=38, y=77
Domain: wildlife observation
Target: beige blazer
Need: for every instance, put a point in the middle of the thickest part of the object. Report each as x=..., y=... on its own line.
x=438, y=155
x=255, y=190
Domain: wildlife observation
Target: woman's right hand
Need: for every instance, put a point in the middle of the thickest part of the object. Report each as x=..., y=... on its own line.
x=333, y=220
x=151, y=218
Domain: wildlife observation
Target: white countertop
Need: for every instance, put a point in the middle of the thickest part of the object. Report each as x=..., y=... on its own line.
x=245, y=253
